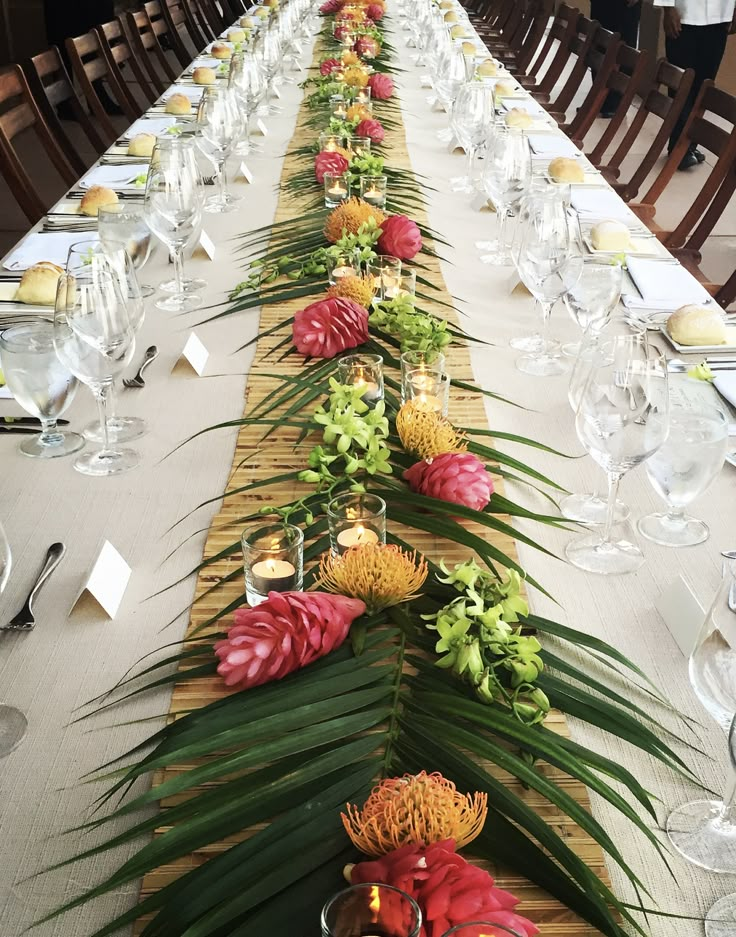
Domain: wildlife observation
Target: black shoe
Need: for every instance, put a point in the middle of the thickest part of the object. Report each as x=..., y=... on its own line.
x=688, y=161
x=699, y=155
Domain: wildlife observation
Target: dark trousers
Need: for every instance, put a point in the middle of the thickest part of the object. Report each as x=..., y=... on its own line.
x=621, y=18
x=700, y=48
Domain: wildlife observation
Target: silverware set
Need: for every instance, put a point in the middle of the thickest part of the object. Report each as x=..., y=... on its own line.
x=24, y=619
x=137, y=381
x=714, y=362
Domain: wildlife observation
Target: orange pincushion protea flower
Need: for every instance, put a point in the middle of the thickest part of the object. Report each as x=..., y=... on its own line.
x=349, y=58
x=358, y=112
x=349, y=216
x=418, y=809
x=380, y=574
x=356, y=76
x=426, y=434
x=360, y=289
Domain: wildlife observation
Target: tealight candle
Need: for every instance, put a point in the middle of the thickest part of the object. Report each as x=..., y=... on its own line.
x=356, y=520
x=356, y=536
x=365, y=372
x=428, y=387
x=360, y=146
x=337, y=188
x=272, y=576
x=428, y=402
x=343, y=271
x=363, y=96
x=371, y=910
x=272, y=560
x=385, y=270
x=373, y=190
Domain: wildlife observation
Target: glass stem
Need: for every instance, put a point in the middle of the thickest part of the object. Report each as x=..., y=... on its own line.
x=102, y=396
x=546, y=308
x=177, y=255
x=728, y=811
x=503, y=214
x=613, y=482
x=676, y=516
x=470, y=162
x=50, y=435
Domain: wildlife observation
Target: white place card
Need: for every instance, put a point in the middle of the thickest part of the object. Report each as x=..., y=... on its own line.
x=425, y=81
x=682, y=613
x=261, y=128
x=107, y=581
x=194, y=354
x=205, y=245
x=243, y=172
x=481, y=202
x=276, y=92
x=454, y=144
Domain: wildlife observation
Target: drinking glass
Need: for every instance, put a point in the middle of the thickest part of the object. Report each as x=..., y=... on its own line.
x=248, y=84
x=471, y=116
x=218, y=125
x=683, y=469
x=448, y=79
x=173, y=212
x=622, y=420
x=41, y=385
x=592, y=299
x=94, y=339
x=507, y=171
x=13, y=724
x=371, y=908
x=125, y=223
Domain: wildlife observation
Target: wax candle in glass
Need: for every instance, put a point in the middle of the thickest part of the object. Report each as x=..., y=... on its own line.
x=339, y=106
x=330, y=142
x=344, y=264
x=359, y=146
x=337, y=188
x=428, y=388
x=405, y=285
x=372, y=910
x=363, y=96
x=386, y=271
x=364, y=371
x=373, y=189
x=410, y=360
x=273, y=560
x=356, y=519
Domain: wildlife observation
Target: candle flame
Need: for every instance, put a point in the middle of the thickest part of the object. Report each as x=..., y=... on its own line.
x=361, y=533
x=375, y=903
x=271, y=565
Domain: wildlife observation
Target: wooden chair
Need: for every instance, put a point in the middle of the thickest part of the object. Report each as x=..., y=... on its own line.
x=19, y=112
x=522, y=35
x=178, y=15
x=602, y=59
x=51, y=86
x=579, y=48
x=161, y=18
x=198, y=16
x=147, y=48
x=726, y=294
x=549, y=63
x=119, y=53
x=664, y=100
x=90, y=64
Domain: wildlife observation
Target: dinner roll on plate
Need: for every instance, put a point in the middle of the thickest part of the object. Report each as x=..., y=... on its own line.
x=697, y=325
x=204, y=76
x=95, y=198
x=504, y=88
x=178, y=104
x=518, y=117
x=610, y=236
x=468, y=48
x=451, y=16
x=564, y=169
x=142, y=144
x=247, y=22
x=221, y=50
x=38, y=284
x=487, y=69
x=236, y=35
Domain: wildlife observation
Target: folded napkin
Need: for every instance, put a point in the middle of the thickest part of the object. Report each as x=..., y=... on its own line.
x=530, y=106
x=207, y=61
x=601, y=205
x=53, y=246
x=154, y=125
x=663, y=286
x=115, y=177
x=193, y=92
x=725, y=383
x=552, y=144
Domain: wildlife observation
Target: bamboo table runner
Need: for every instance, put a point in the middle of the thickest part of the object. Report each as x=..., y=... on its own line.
x=254, y=460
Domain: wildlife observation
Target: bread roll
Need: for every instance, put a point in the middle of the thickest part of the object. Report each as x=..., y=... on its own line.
x=247, y=22
x=262, y=13
x=274, y=4
x=697, y=325
x=468, y=48
x=37, y=286
x=236, y=35
x=458, y=31
x=518, y=117
x=487, y=69
x=178, y=104
x=446, y=5
x=204, y=76
x=564, y=169
x=451, y=16
x=96, y=197
x=142, y=144
x=610, y=236
x=221, y=50
x=504, y=88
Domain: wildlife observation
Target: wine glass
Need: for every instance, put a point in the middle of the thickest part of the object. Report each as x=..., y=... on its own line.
x=41, y=385
x=218, y=125
x=507, y=170
x=622, y=420
x=472, y=113
x=246, y=80
x=173, y=212
x=450, y=76
x=683, y=469
x=125, y=223
x=112, y=258
x=93, y=337
x=13, y=724
x=592, y=299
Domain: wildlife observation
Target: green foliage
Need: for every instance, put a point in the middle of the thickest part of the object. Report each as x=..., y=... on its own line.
x=415, y=330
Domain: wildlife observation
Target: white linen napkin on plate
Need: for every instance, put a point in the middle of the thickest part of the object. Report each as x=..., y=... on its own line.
x=52, y=246
x=663, y=286
x=206, y=61
x=154, y=125
x=725, y=383
x=193, y=92
x=553, y=144
x=528, y=104
x=600, y=205
x=115, y=177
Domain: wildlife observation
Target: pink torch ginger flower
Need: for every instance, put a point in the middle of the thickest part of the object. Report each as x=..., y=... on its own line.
x=400, y=237
x=328, y=161
x=374, y=11
x=457, y=477
x=329, y=326
x=328, y=66
x=382, y=87
x=370, y=128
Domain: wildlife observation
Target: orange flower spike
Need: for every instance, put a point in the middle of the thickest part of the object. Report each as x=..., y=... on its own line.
x=417, y=808
x=426, y=434
x=380, y=574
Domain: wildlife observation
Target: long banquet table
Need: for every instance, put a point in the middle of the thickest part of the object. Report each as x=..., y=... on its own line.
x=67, y=660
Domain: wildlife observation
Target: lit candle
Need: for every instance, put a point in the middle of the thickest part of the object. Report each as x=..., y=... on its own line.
x=356, y=536
x=337, y=191
x=363, y=96
x=374, y=196
x=343, y=271
x=330, y=146
x=428, y=402
x=423, y=382
x=273, y=576
x=340, y=111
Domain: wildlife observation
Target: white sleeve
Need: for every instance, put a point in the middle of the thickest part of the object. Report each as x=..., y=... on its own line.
x=665, y=3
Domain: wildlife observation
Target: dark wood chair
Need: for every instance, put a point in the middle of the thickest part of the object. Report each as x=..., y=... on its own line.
x=198, y=16
x=602, y=60
x=51, y=87
x=726, y=294
x=19, y=112
x=180, y=19
x=167, y=32
x=663, y=100
x=548, y=64
x=578, y=50
x=119, y=52
x=522, y=35
x=147, y=48
x=89, y=65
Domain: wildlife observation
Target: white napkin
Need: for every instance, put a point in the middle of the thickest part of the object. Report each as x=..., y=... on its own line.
x=600, y=205
x=553, y=144
x=154, y=125
x=530, y=106
x=663, y=286
x=115, y=177
x=206, y=61
x=193, y=92
x=52, y=246
x=725, y=384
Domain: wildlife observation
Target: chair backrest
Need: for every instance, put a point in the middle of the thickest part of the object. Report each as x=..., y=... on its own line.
x=197, y=17
x=554, y=51
x=579, y=48
x=602, y=59
x=162, y=19
x=711, y=126
x=540, y=12
x=51, y=86
x=90, y=64
x=179, y=15
x=727, y=293
x=19, y=112
x=664, y=99
x=626, y=80
x=148, y=49
x=119, y=52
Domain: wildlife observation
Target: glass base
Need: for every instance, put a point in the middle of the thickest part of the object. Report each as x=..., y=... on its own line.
x=444, y=135
x=461, y=184
x=119, y=428
x=685, y=532
x=102, y=464
x=67, y=443
x=13, y=728
x=217, y=205
x=179, y=302
x=497, y=256
x=190, y=284
x=541, y=365
x=146, y=290
x=614, y=558
x=721, y=919
x=698, y=833
x=530, y=343
x=571, y=349
x=590, y=509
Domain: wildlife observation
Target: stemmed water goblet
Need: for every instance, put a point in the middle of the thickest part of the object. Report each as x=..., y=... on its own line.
x=125, y=223
x=13, y=724
x=246, y=80
x=592, y=298
x=450, y=76
x=621, y=420
x=506, y=174
x=218, y=126
x=472, y=114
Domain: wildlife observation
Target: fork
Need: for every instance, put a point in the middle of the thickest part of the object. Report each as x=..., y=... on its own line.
x=24, y=620
x=149, y=358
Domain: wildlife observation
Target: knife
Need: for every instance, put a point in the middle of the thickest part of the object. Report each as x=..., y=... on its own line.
x=25, y=430
x=10, y=421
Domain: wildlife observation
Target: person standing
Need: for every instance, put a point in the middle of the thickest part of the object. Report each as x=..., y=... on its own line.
x=622, y=17
x=695, y=37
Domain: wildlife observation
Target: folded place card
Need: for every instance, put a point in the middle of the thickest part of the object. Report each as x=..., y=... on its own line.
x=194, y=354
x=481, y=202
x=205, y=245
x=454, y=144
x=425, y=81
x=107, y=581
x=261, y=128
x=682, y=613
x=244, y=173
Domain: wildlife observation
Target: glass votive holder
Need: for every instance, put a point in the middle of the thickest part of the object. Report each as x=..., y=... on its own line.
x=273, y=560
x=364, y=371
x=415, y=360
x=354, y=520
x=373, y=189
x=429, y=388
x=363, y=96
x=330, y=142
x=337, y=188
x=385, y=271
x=339, y=106
x=344, y=264
x=371, y=909
x=406, y=285
x=360, y=146
x=338, y=74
